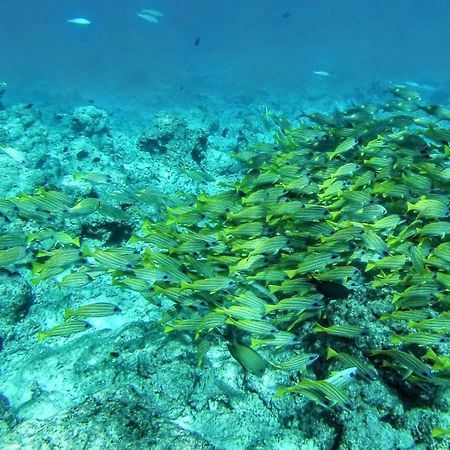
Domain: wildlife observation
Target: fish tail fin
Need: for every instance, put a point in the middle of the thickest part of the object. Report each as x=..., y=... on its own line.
x=291, y=273
x=37, y=267
x=319, y=328
x=184, y=285
x=430, y=354
x=76, y=241
x=229, y=320
x=281, y=391
x=273, y=288
x=87, y=251
x=256, y=342
x=42, y=335
x=68, y=313
x=331, y=353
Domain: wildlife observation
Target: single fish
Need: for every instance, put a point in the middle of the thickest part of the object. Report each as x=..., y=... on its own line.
x=321, y=73
x=248, y=358
x=79, y=21
x=100, y=309
x=14, y=154
x=65, y=329
x=348, y=331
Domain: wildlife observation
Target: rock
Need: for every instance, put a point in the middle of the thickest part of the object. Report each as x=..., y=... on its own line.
x=89, y=121
x=174, y=136
x=16, y=298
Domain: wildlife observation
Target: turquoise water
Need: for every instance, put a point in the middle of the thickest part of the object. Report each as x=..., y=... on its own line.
x=244, y=46
x=149, y=119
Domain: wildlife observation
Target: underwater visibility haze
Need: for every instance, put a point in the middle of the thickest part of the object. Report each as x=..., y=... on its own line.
x=224, y=224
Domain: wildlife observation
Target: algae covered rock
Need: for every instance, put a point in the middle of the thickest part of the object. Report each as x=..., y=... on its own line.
x=174, y=136
x=16, y=298
x=89, y=120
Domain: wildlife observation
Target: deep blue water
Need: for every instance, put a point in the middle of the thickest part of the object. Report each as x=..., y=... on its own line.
x=245, y=46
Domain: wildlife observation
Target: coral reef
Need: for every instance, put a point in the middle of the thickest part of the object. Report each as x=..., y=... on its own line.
x=334, y=244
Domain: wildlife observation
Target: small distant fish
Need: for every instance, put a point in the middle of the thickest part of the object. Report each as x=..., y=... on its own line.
x=414, y=84
x=150, y=15
x=152, y=12
x=14, y=154
x=286, y=15
x=321, y=73
x=150, y=19
x=197, y=41
x=79, y=21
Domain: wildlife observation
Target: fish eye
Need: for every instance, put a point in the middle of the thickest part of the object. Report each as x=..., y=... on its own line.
x=385, y=252
x=165, y=277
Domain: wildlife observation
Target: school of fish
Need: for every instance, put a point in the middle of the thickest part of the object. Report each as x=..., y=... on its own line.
x=339, y=202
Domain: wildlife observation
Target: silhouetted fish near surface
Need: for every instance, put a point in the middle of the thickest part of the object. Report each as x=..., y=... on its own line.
x=286, y=15
x=197, y=41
